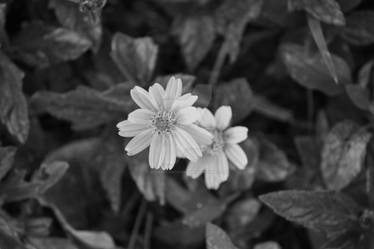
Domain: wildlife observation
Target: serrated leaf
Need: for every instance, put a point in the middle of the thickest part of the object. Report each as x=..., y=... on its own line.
x=343, y=154
x=85, y=107
x=13, y=111
x=273, y=164
x=151, y=183
x=237, y=94
x=327, y=11
x=216, y=238
x=69, y=15
x=196, y=35
x=232, y=17
x=6, y=159
x=310, y=71
x=330, y=212
x=41, y=45
x=359, y=30
x=135, y=57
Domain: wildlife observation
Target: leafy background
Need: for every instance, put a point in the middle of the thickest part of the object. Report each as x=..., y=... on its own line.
x=297, y=73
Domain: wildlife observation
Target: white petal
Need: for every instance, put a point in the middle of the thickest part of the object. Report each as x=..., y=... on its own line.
x=143, y=99
x=184, y=101
x=173, y=91
x=223, y=117
x=212, y=178
x=139, y=142
x=141, y=116
x=187, y=115
x=195, y=169
x=158, y=93
x=170, y=154
x=207, y=119
x=186, y=144
x=130, y=129
x=222, y=166
x=236, y=155
x=156, y=151
x=201, y=136
x=236, y=134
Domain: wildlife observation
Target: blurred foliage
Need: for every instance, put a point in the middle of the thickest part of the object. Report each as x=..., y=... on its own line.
x=297, y=73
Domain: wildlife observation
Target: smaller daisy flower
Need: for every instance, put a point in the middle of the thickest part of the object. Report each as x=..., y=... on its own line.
x=224, y=148
x=165, y=123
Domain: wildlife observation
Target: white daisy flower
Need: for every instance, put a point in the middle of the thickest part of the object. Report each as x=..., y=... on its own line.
x=224, y=147
x=165, y=122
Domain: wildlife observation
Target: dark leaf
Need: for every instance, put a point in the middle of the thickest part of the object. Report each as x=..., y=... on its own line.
x=310, y=71
x=273, y=164
x=232, y=17
x=318, y=36
x=49, y=174
x=136, y=58
x=238, y=95
x=41, y=45
x=358, y=95
x=176, y=233
x=329, y=212
x=265, y=107
x=216, y=238
x=196, y=35
x=85, y=107
x=9, y=242
x=241, y=214
x=359, y=30
x=13, y=111
x=71, y=18
x=343, y=154
x=110, y=160
x=327, y=11
x=347, y=5
x=151, y=183
x=6, y=160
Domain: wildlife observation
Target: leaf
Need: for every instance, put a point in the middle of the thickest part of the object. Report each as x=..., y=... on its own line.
x=237, y=94
x=343, y=154
x=319, y=38
x=15, y=188
x=310, y=71
x=242, y=213
x=136, y=58
x=347, y=5
x=359, y=30
x=327, y=11
x=69, y=15
x=111, y=163
x=267, y=245
x=51, y=243
x=358, y=95
x=49, y=174
x=267, y=108
x=6, y=159
x=151, y=183
x=232, y=18
x=94, y=240
x=13, y=111
x=176, y=233
x=273, y=164
x=85, y=107
x=329, y=212
x=196, y=35
x=40, y=45
x=216, y=238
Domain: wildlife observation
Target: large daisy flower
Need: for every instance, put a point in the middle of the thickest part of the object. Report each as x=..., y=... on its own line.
x=224, y=148
x=165, y=122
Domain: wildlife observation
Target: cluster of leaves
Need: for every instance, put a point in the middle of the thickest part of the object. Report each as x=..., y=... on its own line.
x=297, y=73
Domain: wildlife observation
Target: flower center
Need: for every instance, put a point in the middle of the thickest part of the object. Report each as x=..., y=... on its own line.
x=164, y=121
x=217, y=144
